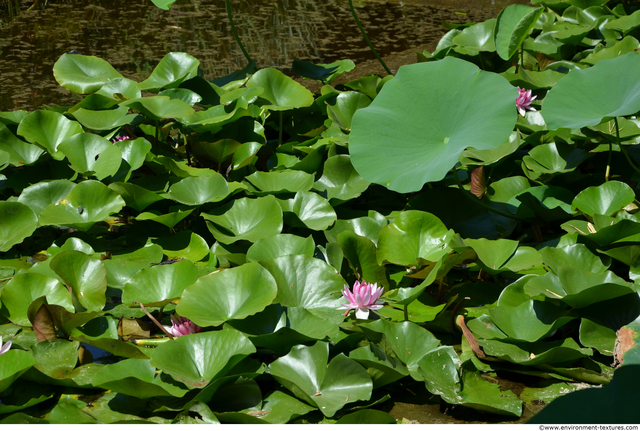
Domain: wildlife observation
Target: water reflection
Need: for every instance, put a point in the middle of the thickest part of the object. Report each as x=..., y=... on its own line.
x=134, y=35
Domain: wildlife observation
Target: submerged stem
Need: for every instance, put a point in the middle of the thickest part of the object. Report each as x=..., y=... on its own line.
x=366, y=38
x=479, y=202
x=235, y=33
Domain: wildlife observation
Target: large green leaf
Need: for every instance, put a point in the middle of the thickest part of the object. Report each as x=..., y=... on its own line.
x=196, y=359
x=282, y=92
x=422, y=120
x=305, y=372
x=513, y=26
x=134, y=377
x=20, y=152
x=12, y=364
x=247, y=219
x=83, y=74
x=361, y=254
x=173, y=69
x=160, y=284
x=24, y=288
x=341, y=109
x=91, y=154
x=493, y=254
x=86, y=276
x=279, y=408
x=18, y=222
x=229, y=294
x=286, y=181
x=408, y=341
x=415, y=237
x=439, y=369
x=306, y=282
x=280, y=245
x=105, y=119
x=523, y=318
x=606, y=199
x=198, y=190
x=159, y=107
x=39, y=195
x=48, y=129
x=311, y=209
x=568, y=105
x=89, y=202
x=339, y=180
x=476, y=38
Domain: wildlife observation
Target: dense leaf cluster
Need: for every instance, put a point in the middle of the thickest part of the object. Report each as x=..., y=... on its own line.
x=506, y=245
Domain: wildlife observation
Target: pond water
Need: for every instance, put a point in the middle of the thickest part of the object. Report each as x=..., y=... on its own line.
x=133, y=35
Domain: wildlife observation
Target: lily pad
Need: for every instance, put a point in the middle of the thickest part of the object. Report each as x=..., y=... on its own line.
x=246, y=219
x=422, y=120
x=282, y=92
x=18, y=222
x=567, y=106
x=308, y=374
x=415, y=237
x=229, y=294
x=83, y=74
x=189, y=359
x=160, y=284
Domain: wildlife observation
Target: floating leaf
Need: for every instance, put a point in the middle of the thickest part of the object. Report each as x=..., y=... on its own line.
x=160, y=284
x=282, y=92
x=606, y=199
x=413, y=238
x=311, y=209
x=24, y=288
x=189, y=358
x=567, y=106
x=512, y=26
x=339, y=180
x=91, y=154
x=89, y=202
x=83, y=74
x=18, y=222
x=305, y=372
x=86, y=276
x=229, y=294
x=48, y=129
x=198, y=190
x=280, y=245
x=246, y=219
x=422, y=120
x=173, y=69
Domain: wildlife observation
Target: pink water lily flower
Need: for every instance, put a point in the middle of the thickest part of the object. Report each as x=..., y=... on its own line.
x=182, y=326
x=120, y=138
x=523, y=102
x=363, y=298
x=5, y=348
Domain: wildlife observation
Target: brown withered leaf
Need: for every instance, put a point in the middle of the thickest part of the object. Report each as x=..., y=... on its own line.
x=624, y=343
x=478, y=182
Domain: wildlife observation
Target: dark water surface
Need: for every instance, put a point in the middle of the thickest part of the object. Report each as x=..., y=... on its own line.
x=133, y=35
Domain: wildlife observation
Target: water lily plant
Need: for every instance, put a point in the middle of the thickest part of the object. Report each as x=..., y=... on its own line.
x=363, y=299
x=523, y=101
x=182, y=326
x=5, y=347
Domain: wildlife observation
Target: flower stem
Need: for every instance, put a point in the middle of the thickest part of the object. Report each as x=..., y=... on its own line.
x=235, y=33
x=366, y=38
x=406, y=312
x=153, y=319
